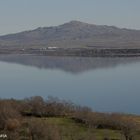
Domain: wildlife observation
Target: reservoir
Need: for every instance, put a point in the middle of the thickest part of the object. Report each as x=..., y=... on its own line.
x=105, y=84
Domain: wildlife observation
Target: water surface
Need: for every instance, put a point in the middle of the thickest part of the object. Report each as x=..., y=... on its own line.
x=104, y=84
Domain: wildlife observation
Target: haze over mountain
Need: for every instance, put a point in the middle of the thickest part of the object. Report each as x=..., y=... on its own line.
x=74, y=34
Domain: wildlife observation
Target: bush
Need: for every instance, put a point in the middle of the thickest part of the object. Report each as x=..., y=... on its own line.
x=8, y=115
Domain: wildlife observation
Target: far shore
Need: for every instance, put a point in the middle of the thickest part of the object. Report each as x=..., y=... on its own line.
x=82, y=52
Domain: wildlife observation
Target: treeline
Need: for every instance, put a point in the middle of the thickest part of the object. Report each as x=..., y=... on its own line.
x=13, y=114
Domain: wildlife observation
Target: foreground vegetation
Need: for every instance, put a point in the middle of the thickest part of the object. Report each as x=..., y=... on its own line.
x=53, y=119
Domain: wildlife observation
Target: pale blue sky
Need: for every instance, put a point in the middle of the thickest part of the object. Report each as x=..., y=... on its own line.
x=19, y=15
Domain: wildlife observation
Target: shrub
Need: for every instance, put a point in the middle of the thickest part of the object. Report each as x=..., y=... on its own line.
x=8, y=114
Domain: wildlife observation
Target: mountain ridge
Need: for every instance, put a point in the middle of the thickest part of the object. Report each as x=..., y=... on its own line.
x=73, y=34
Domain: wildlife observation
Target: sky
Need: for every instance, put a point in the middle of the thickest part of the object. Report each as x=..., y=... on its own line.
x=20, y=15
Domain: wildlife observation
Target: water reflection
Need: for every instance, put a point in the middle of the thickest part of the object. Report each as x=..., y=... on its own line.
x=74, y=65
x=104, y=84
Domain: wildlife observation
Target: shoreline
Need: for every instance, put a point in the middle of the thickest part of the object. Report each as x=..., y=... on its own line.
x=81, y=52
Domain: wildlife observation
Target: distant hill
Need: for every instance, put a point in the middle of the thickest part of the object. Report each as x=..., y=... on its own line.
x=74, y=34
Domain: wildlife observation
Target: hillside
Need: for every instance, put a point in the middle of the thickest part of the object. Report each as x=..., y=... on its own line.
x=53, y=119
x=74, y=34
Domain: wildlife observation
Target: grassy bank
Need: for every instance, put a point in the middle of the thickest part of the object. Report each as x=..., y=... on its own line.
x=53, y=119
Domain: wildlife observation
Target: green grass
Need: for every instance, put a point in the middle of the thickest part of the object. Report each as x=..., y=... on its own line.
x=70, y=128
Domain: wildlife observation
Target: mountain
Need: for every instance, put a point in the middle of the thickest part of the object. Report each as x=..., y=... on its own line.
x=74, y=34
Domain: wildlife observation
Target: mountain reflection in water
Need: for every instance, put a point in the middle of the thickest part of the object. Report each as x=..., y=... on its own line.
x=73, y=65
x=104, y=84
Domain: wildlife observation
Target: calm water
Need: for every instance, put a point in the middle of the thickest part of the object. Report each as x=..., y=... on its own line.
x=104, y=84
